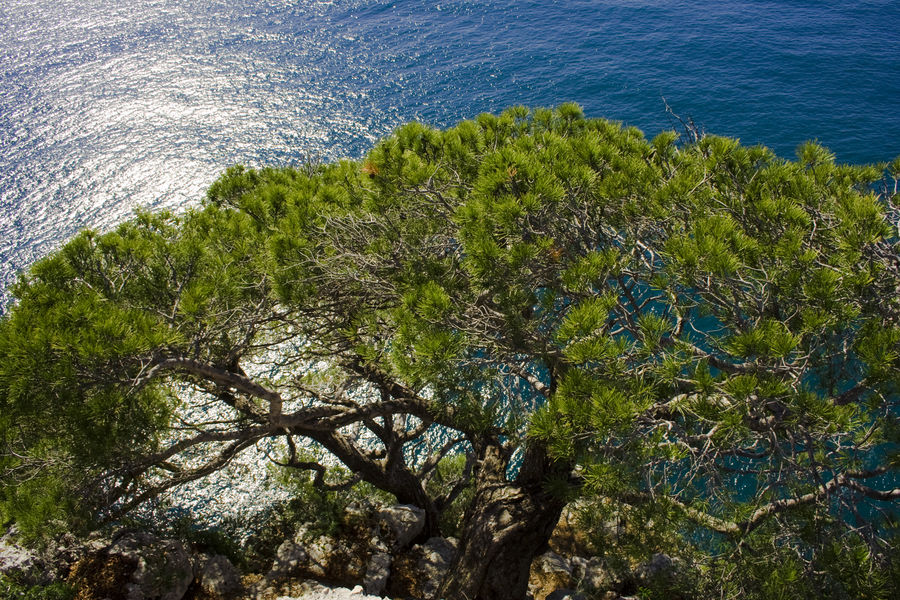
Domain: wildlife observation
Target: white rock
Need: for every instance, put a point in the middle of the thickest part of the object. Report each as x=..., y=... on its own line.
x=551, y=562
x=163, y=567
x=321, y=553
x=402, y=523
x=318, y=591
x=377, y=573
x=288, y=558
x=566, y=594
x=659, y=566
x=549, y=572
x=219, y=577
x=14, y=559
x=590, y=573
x=432, y=564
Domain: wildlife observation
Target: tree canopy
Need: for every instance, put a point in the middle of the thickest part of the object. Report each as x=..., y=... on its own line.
x=683, y=322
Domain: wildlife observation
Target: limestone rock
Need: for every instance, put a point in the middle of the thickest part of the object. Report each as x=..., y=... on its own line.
x=590, y=574
x=549, y=572
x=568, y=538
x=163, y=567
x=137, y=566
x=401, y=523
x=419, y=572
x=566, y=594
x=437, y=555
x=18, y=561
x=660, y=566
x=53, y=563
x=289, y=558
x=377, y=573
x=322, y=553
x=311, y=590
x=218, y=577
x=336, y=560
x=342, y=560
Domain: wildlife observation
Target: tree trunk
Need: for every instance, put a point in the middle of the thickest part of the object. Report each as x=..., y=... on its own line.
x=395, y=478
x=408, y=490
x=506, y=526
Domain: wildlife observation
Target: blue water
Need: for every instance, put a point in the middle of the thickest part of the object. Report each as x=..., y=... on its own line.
x=106, y=105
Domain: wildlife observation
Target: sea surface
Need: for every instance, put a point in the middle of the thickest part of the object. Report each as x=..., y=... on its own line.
x=111, y=105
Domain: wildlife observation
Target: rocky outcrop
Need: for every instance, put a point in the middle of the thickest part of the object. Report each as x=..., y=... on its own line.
x=53, y=563
x=377, y=573
x=418, y=573
x=216, y=576
x=290, y=557
x=370, y=557
x=339, y=560
x=660, y=569
x=568, y=538
x=312, y=590
x=137, y=566
x=399, y=525
x=361, y=555
x=20, y=562
x=590, y=574
x=342, y=560
x=566, y=594
x=549, y=572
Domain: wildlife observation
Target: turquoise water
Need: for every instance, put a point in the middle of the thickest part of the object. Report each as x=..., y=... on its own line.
x=106, y=106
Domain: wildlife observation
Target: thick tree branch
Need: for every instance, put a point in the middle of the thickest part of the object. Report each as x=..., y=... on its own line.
x=222, y=376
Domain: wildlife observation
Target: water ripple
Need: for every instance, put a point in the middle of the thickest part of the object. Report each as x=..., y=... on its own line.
x=107, y=106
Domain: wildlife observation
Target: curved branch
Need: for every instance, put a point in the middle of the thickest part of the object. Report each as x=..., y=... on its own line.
x=219, y=375
x=182, y=477
x=759, y=516
x=319, y=479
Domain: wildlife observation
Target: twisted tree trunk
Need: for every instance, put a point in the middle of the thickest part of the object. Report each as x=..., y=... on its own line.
x=506, y=526
x=394, y=477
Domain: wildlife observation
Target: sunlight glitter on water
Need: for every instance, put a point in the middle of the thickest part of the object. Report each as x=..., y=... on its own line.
x=107, y=106
x=115, y=111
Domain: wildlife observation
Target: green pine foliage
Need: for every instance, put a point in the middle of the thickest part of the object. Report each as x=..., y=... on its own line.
x=700, y=329
x=12, y=590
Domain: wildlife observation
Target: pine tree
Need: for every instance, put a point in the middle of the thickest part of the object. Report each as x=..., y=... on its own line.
x=699, y=327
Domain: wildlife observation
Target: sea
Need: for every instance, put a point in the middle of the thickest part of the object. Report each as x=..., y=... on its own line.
x=107, y=106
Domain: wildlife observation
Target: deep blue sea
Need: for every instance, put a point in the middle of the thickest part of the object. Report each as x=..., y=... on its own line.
x=109, y=105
